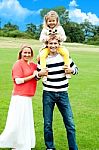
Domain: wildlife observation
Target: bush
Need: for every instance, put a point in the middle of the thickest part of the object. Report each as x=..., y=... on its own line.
x=14, y=34
x=93, y=41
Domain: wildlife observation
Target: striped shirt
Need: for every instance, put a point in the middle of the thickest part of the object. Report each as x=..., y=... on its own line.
x=56, y=78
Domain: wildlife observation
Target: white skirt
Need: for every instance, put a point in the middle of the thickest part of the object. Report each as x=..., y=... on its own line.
x=19, y=131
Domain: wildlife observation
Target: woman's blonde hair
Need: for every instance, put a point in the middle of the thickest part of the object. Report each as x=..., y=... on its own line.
x=20, y=52
x=50, y=14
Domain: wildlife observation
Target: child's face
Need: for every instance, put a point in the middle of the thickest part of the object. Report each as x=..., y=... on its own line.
x=52, y=22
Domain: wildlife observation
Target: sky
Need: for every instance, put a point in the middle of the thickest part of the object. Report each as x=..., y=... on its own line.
x=22, y=12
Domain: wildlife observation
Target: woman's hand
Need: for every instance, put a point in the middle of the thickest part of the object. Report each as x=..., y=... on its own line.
x=35, y=73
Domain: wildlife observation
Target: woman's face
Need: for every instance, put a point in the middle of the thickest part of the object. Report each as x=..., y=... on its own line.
x=26, y=54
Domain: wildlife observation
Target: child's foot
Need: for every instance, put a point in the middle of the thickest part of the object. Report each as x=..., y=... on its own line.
x=45, y=70
x=68, y=76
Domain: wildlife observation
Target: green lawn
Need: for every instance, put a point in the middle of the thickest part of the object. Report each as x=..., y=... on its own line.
x=83, y=93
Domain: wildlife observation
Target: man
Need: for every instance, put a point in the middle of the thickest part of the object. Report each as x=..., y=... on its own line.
x=55, y=92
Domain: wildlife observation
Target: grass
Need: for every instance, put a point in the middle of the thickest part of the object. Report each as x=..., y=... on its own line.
x=83, y=93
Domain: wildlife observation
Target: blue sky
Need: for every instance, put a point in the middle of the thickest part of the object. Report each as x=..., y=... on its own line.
x=22, y=12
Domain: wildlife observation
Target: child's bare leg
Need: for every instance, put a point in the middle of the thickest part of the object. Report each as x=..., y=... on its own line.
x=45, y=75
x=68, y=75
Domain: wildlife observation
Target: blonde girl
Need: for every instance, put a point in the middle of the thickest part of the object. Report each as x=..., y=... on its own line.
x=52, y=27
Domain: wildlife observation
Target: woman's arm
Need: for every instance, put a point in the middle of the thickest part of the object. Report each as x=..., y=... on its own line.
x=23, y=80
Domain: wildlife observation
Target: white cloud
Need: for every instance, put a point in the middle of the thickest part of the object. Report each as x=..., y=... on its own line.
x=12, y=10
x=78, y=16
x=73, y=3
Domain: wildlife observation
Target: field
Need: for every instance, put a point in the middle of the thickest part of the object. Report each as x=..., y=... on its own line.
x=83, y=93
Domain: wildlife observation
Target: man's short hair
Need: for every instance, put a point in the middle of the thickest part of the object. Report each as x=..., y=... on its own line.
x=52, y=37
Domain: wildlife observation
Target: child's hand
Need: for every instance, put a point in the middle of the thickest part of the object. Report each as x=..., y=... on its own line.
x=47, y=38
x=59, y=37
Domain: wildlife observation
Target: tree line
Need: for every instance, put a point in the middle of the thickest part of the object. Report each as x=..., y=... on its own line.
x=84, y=32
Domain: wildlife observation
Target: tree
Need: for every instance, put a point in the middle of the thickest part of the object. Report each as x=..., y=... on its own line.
x=43, y=12
x=31, y=28
x=95, y=30
x=74, y=32
x=10, y=27
x=0, y=23
x=60, y=10
x=94, y=39
x=87, y=27
x=64, y=18
x=38, y=31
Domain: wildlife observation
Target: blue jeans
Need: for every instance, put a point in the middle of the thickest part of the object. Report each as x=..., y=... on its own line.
x=62, y=101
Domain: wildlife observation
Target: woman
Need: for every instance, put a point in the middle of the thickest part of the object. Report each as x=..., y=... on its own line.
x=19, y=131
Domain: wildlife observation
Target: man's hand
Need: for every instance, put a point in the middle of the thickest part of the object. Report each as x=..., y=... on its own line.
x=43, y=72
x=68, y=70
x=35, y=73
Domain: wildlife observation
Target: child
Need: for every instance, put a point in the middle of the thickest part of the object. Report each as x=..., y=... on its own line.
x=52, y=26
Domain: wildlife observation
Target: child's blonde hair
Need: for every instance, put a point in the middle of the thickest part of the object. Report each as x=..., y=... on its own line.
x=50, y=14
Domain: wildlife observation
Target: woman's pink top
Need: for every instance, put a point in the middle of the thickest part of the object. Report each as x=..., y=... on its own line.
x=21, y=70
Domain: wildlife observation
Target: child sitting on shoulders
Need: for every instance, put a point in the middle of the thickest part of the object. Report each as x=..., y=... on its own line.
x=52, y=27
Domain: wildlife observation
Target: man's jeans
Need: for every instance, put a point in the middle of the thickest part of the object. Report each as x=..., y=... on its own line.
x=62, y=101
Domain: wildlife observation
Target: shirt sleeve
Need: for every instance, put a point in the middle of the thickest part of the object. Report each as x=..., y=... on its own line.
x=62, y=34
x=74, y=67
x=17, y=71
x=43, y=35
x=19, y=80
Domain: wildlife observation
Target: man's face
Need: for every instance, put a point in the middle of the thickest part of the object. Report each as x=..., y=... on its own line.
x=53, y=45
